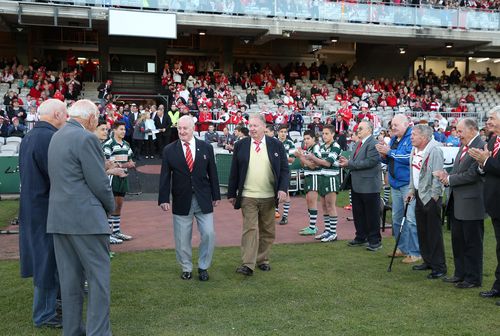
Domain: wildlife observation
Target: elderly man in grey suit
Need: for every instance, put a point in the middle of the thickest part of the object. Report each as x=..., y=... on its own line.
x=366, y=180
x=465, y=205
x=80, y=198
x=427, y=158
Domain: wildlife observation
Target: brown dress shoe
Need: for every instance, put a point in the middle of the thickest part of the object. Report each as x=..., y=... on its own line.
x=411, y=259
x=398, y=254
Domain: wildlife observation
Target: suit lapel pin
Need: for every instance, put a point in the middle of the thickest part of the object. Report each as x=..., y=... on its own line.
x=276, y=154
x=204, y=157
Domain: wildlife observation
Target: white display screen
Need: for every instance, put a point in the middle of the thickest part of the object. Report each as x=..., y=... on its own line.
x=140, y=23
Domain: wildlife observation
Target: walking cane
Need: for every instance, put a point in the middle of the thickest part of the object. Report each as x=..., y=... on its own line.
x=398, y=237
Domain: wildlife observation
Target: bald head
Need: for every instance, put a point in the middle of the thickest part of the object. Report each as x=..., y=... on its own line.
x=467, y=130
x=399, y=124
x=54, y=112
x=186, y=120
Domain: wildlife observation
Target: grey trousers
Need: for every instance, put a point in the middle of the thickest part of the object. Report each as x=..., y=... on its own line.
x=81, y=257
x=183, y=233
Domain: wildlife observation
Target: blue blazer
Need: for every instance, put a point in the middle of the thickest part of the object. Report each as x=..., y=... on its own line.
x=176, y=178
x=36, y=246
x=239, y=167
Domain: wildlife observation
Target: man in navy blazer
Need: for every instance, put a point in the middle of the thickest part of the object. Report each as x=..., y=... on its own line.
x=188, y=171
x=259, y=178
x=36, y=246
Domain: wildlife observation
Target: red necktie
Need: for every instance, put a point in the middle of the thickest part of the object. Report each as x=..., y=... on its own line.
x=189, y=157
x=357, y=148
x=257, y=146
x=496, y=148
x=464, y=151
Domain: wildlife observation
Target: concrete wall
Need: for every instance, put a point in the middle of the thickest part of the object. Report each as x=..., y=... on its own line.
x=439, y=64
x=481, y=67
x=374, y=60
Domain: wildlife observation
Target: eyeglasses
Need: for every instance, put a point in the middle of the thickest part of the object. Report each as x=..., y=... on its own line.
x=360, y=129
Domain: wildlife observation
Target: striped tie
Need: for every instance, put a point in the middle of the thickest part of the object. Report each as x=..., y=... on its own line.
x=464, y=151
x=496, y=148
x=257, y=146
x=189, y=157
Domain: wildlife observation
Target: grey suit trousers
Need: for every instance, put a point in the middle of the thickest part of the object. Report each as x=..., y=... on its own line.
x=81, y=257
x=183, y=234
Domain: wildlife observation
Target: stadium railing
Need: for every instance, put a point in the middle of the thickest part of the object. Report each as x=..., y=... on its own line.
x=359, y=12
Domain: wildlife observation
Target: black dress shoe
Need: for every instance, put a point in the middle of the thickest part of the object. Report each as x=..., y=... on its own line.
x=264, y=267
x=356, y=243
x=452, y=279
x=421, y=267
x=436, y=275
x=466, y=284
x=186, y=275
x=55, y=322
x=374, y=247
x=490, y=293
x=497, y=303
x=203, y=274
x=244, y=270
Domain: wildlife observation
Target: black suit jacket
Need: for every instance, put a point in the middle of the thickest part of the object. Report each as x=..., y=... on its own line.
x=239, y=166
x=175, y=177
x=165, y=123
x=492, y=182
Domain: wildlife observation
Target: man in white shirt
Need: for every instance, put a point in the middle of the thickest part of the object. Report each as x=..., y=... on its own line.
x=426, y=188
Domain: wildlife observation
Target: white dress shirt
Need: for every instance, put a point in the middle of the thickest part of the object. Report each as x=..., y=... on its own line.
x=192, y=146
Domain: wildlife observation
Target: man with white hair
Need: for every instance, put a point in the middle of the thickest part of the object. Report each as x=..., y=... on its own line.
x=426, y=189
x=188, y=172
x=397, y=157
x=36, y=246
x=80, y=199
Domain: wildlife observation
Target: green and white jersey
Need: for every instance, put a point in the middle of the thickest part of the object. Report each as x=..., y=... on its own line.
x=313, y=150
x=289, y=148
x=331, y=154
x=114, y=151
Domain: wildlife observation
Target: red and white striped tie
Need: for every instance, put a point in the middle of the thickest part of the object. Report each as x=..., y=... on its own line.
x=257, y=146
x=496, y=148
x=189, y=157
x=464, y=151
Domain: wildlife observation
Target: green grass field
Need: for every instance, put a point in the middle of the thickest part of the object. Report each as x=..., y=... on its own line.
x=8, y=210
x=313, y=289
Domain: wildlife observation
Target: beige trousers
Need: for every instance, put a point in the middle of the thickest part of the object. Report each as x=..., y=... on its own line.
x=259, y=230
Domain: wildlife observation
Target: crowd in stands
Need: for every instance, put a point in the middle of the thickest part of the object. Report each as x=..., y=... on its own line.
x=24, y=87
x=214, y=97
x=225, y=101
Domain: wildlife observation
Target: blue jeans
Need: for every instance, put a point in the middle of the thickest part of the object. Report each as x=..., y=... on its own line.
x=408, y=244
x=44, y=304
